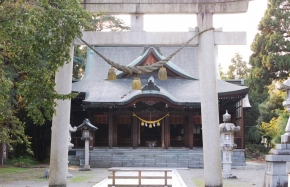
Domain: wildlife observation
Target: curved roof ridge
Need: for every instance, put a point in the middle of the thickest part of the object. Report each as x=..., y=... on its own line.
x=173, y=67
x=162, y=92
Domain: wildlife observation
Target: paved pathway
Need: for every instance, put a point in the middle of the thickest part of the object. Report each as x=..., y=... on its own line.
x=176, y=180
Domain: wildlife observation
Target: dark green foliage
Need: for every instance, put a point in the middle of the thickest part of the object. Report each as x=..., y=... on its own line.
x=23, y=161
x=256, y=150
x=269, y=62
x=271, y=58
x=34, y=41
x=79, y=62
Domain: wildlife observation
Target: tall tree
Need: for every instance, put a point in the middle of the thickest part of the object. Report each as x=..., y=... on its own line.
x=238, y=69
x=270, y=60
x=34, y=41
x=101, y=21
x=271, y=47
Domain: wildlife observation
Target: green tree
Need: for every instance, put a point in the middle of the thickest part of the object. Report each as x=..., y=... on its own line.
x=272, y=115
x=79, y=62
x=34, y=41
x=102, y=22
x=270, y=61
x=271, y=58
x=222, y=74
x=238, y=69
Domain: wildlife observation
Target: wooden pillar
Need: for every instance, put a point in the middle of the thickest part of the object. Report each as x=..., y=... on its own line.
x=134, y=131
x=190, y=130
x=185, y=131
x=115, y=130
x=111, y=122
x=162, y=134
x=166, y=131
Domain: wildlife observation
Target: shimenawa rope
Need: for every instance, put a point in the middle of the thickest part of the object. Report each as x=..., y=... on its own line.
x=143, y=69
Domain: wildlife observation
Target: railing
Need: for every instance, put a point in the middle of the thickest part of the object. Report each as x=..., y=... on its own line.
x=139, y=177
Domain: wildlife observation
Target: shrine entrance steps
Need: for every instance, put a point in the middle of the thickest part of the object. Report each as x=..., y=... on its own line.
x=102, y=157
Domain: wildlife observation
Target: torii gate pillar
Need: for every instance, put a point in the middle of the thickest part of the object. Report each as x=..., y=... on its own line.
x=209, y=101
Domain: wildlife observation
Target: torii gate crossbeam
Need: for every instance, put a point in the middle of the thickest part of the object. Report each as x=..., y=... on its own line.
x=206, y=58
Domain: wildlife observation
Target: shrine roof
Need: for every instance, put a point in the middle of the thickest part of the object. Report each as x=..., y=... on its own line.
x=176, y=91
x=183, y=90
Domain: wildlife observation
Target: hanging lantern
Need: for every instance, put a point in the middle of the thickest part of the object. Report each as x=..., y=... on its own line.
x=142, y=123
x=158, y=124
x=153, y=124
x=145, y=124
x=112, y=74
x=136, y=84
x=162, y=73
x=150, y=126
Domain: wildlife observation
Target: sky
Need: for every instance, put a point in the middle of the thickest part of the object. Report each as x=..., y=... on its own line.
x=229, y=22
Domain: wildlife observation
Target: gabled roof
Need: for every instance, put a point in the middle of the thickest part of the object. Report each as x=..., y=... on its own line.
x=157, y=54
x=178, y=91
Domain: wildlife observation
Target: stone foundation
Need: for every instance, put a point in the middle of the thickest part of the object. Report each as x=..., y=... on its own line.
x=183, y=157
x=275, y=171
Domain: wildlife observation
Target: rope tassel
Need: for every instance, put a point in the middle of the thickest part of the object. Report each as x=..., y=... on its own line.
x=162, y=74
x=136, y=84
x=112, y=74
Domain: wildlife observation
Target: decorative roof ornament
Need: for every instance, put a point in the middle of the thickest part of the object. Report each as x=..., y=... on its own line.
x=148, y=47
x=151, y=85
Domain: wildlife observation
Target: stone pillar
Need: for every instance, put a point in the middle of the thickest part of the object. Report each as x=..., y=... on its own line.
x=60, y=127
x=87, y=154
x=137, y=22
x=209, y=102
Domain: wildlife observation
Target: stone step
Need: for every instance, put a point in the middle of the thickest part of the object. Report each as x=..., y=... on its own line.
x=143, y=157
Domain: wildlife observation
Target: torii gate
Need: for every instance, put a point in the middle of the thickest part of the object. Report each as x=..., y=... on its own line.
x=207, y=69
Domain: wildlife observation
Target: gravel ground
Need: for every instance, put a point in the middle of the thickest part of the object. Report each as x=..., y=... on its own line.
x=250, y=175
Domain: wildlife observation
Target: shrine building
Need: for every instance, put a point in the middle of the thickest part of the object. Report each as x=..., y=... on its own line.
x=163, y=114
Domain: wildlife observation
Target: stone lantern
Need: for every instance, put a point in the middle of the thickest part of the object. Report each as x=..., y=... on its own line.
x=227, y=144
x=86, y=127
x=278, y=161
x=285, y=86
